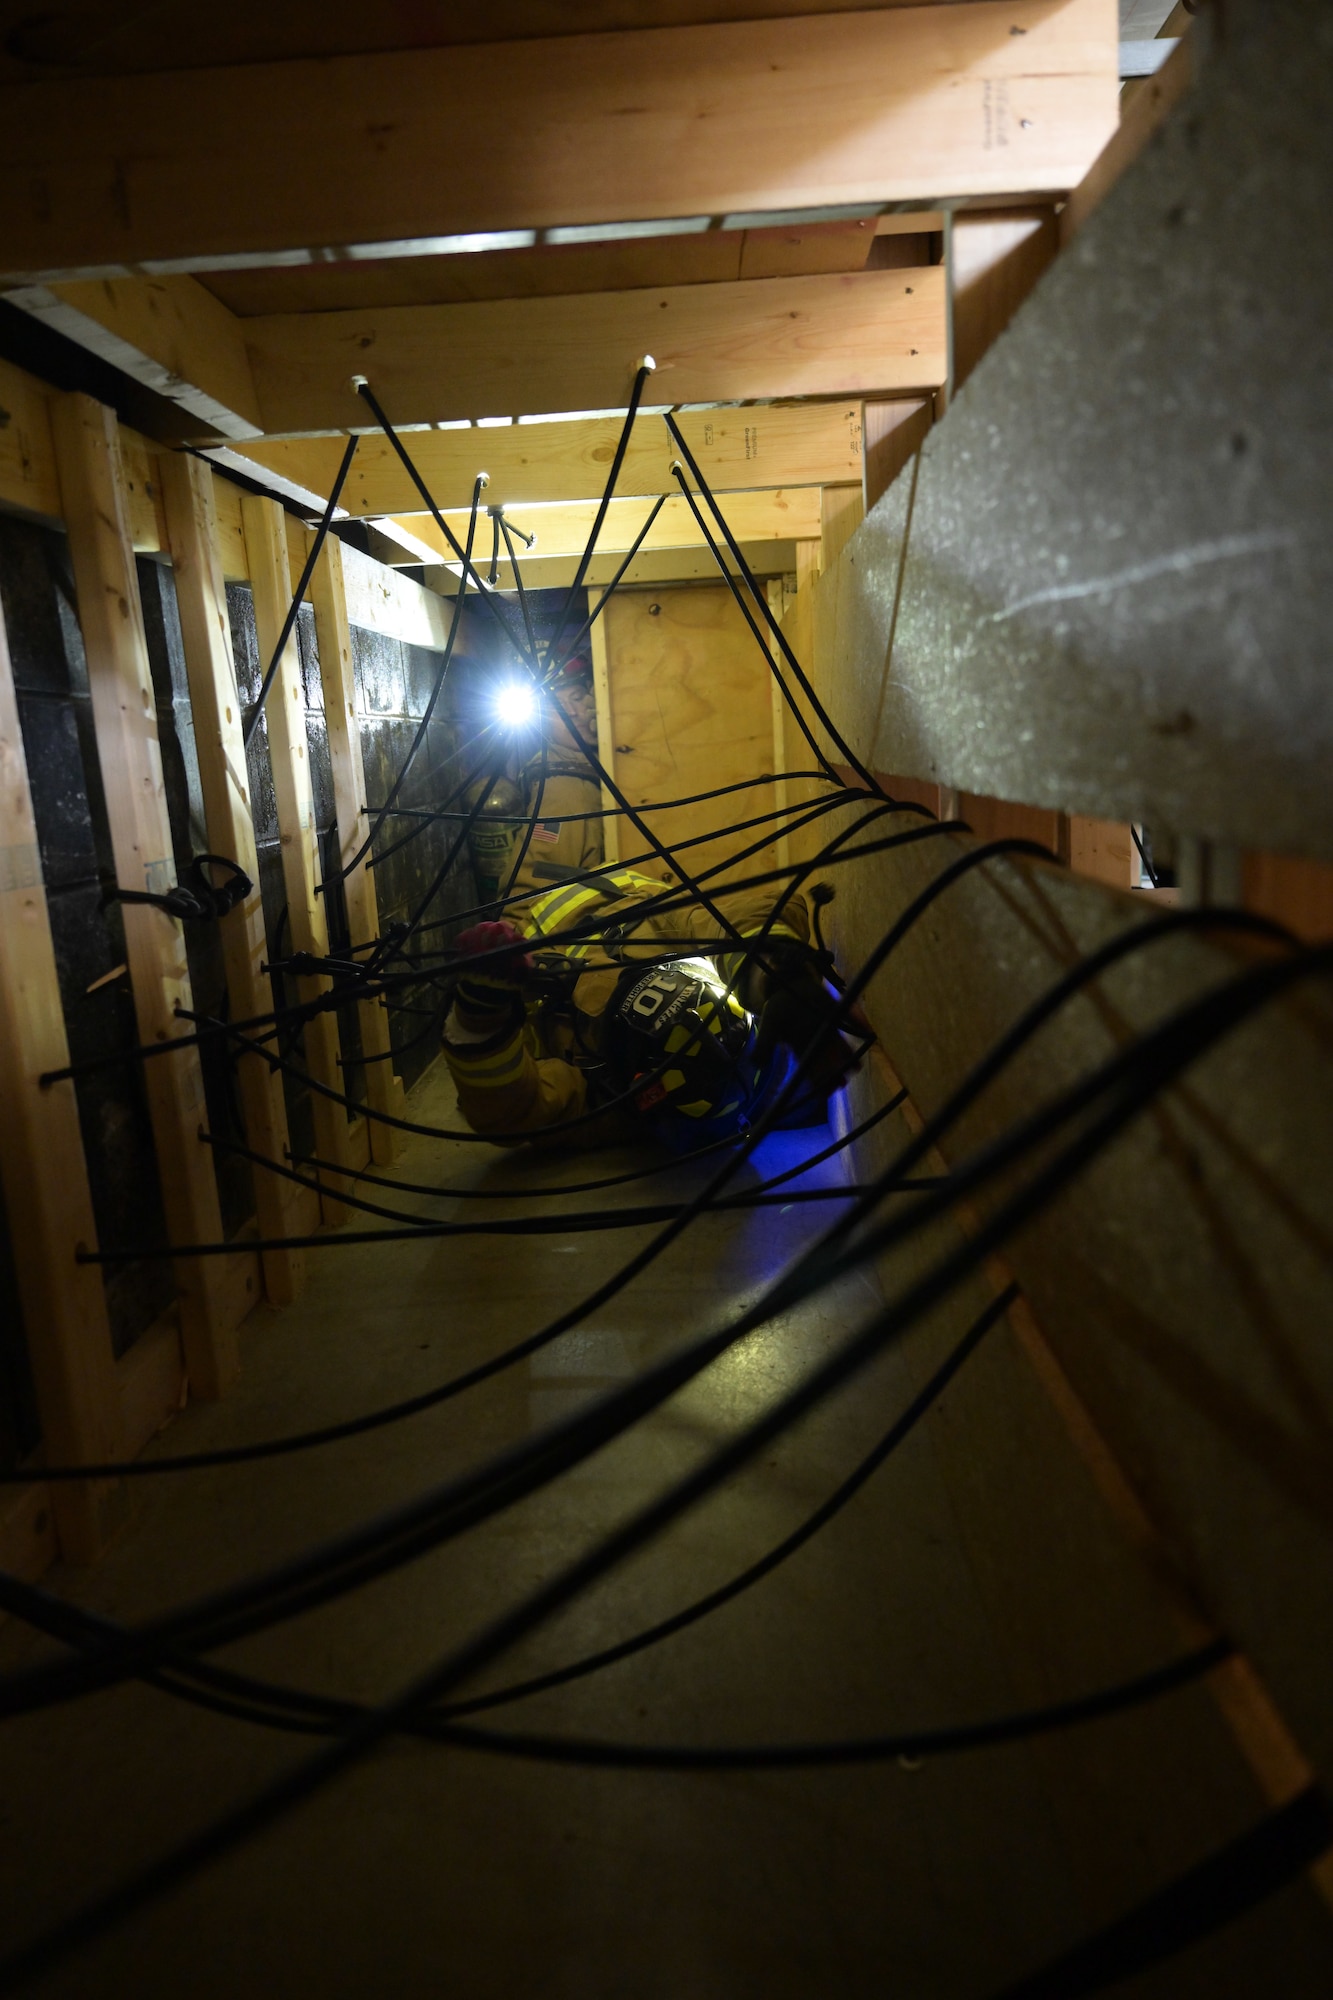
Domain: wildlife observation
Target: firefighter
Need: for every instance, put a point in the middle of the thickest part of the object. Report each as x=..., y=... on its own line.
x=609, y=1007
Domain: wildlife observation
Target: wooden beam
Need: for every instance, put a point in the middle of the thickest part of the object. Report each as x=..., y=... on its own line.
x=864, y=332
x=252, y=31
x=284, y=719
x=167, y=333
x=1298, y=893
x=892, y=432
x=1146, y=111
x=549, y=270
x=216, y=704
x=659, y=566
x=48, y=1206
x=333, y=630
x=841, y=512
x=996, y=257
x=381, y=600
x=811, y=444
x=1103, y=849
x=125, y=720
x=564, y=530
x=606, y=747
x=873, y=108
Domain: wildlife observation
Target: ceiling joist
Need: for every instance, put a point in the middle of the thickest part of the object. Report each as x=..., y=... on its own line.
x=857, y=333
x=811, y=444
x=564, y=530
x=739, y=121
x=167, y=333
x=662, y=566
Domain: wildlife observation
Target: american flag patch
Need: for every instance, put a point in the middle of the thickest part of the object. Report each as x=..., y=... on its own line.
x=546, y=830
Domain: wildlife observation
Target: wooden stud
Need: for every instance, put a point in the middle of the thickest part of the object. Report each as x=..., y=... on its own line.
x=841, y=512
x=858, y=333
x=328, y=594
x=29, y=1532
x=1299, y=893
x=28, y=477
x=47, y=1202
x=995, y=259
x=892, y=432
x=125, y=720
x=284, y=713
x=606, y=748
x=1000, y=819
x=1103, y=849
x=231, y=534
x=192, y=527
x=811, y=444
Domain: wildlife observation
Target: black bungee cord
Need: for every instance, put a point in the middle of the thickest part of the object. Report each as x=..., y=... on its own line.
x=568, y=1443
x=392, y=945
x=668, y=901
x=866, y=776
x=423, y=1229
x=525, y=609
x=797, y=818
x=246, y=1454
x=1125, y=1084
x=1160, y=1056
x=501, y=953
x=746, y=613
x=293, y=610
x=490, y=598
x=267, y=1704
x=645, y=368
x=572, y=645
x=450, y=641
x=668, y=1163
x=664, y=805
x=426, y=815
x=723, y=1757
x=755, y=1572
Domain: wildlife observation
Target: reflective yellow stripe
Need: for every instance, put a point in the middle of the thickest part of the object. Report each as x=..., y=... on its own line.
x=562, y=909
x=731, y=962
x=492, y=1071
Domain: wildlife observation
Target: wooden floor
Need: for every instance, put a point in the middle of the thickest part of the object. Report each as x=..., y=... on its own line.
x=978, y=1572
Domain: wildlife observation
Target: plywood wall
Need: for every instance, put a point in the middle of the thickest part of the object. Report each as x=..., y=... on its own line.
x=690, y=709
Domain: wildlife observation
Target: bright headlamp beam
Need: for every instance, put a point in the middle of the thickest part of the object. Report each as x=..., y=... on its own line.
x=516, y=705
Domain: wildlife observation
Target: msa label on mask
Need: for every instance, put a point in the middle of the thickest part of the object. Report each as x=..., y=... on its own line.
x=650, y=1000
x=656, y=1002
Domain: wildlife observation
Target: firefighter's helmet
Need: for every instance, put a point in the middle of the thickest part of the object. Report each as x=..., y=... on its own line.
x=683, y=1047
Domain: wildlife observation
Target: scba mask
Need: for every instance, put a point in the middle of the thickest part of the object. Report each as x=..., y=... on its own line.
x=679, y=1034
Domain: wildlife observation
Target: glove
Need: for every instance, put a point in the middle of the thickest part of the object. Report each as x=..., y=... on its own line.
x=491, y=996
x=798, y=1013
